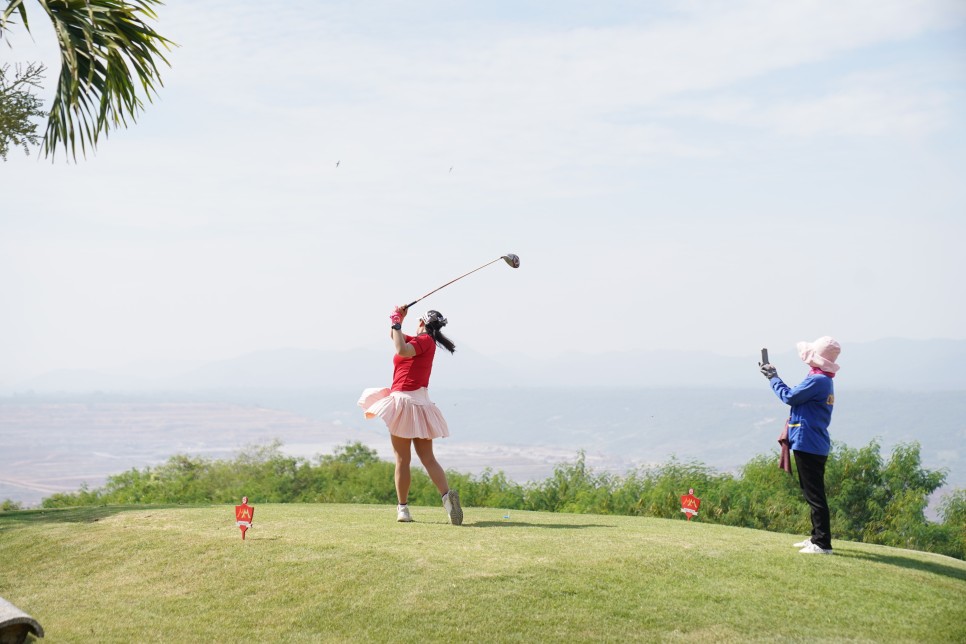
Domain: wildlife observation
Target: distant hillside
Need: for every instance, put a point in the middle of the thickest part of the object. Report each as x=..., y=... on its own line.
x=890, y=363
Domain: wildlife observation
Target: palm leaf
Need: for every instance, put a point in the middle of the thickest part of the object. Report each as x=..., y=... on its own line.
x=14, y=5
x=107, y=50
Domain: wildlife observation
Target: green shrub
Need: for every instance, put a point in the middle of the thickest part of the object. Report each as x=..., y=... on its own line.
x=870, y=499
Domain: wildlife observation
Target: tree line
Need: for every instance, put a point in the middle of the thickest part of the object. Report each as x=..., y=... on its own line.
x=872, y=498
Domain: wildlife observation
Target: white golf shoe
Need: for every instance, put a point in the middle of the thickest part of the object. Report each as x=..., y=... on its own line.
x=451, y=503
x=814, y=549
x=802, y=544
x=402, y=514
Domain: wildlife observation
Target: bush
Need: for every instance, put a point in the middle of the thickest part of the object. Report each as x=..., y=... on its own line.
x=870, y=499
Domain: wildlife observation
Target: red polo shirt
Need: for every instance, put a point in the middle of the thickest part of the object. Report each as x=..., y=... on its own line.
x=410, y=374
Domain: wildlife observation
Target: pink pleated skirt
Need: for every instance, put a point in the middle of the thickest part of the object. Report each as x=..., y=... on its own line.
x=407, y=414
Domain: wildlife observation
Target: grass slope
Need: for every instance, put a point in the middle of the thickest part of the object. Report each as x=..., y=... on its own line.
x=350, y=572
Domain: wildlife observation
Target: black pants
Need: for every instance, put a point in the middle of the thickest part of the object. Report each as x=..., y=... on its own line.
x=811, y=477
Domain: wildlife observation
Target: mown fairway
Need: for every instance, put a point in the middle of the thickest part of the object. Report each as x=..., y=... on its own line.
x=350, y=572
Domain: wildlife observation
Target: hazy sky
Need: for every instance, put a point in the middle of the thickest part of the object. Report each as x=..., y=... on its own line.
x=707, y=175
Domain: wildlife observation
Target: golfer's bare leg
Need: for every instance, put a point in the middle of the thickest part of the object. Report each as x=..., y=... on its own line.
x=424, y=449
x=401, y=446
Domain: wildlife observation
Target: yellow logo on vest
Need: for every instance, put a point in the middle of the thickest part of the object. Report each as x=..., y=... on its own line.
x=831, y=399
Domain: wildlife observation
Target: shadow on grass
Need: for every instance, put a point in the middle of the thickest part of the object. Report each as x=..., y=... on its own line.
x=89, y=514
x=524, y=524
x=934, y=567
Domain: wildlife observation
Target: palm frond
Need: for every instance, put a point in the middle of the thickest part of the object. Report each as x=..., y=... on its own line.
x=13, y=5
x=107, y=50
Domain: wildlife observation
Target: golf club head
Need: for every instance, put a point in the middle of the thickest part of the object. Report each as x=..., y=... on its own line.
x=512, y=260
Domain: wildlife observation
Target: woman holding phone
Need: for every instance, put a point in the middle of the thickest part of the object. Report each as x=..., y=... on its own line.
x=811, y=403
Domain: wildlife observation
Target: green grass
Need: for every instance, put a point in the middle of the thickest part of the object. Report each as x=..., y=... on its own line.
x=309, y=573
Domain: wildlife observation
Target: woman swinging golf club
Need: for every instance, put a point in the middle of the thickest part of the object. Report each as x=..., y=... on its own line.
x=412, y=418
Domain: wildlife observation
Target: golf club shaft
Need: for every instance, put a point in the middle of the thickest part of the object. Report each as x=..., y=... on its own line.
x=451, y=281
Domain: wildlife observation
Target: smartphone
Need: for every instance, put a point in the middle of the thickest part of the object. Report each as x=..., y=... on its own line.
x=764, y=356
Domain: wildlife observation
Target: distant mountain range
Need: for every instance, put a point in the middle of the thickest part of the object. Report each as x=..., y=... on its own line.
x=883, y=364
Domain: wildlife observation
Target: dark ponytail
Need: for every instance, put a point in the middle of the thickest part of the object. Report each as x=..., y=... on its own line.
x=434, y=322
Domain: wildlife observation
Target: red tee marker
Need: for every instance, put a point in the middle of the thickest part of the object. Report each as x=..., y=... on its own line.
x=244, y=515
x=690, y=504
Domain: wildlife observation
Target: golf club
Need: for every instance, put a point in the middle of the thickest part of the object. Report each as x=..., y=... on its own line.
x=512, y=260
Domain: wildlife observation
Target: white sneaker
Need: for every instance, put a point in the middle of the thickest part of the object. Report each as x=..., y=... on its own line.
x=402, y=514
x=802, y=544
x=814, y=549
x=451, y=503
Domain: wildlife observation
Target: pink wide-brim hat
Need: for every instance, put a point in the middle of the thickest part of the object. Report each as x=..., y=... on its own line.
x=820, y=354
